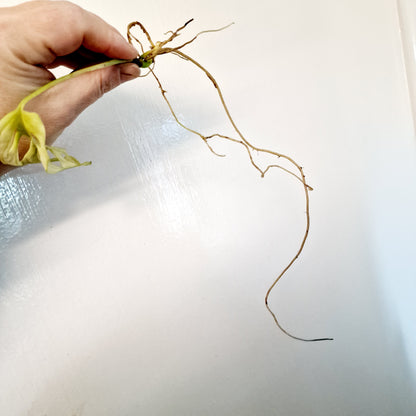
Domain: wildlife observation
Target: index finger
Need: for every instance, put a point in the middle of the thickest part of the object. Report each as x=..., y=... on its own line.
x=63, y=27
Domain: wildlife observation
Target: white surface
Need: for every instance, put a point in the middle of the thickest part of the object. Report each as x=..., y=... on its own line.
x=407, y=21
x=135, y=286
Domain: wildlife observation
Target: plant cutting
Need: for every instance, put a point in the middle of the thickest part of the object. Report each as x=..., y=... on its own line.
x=21, y=123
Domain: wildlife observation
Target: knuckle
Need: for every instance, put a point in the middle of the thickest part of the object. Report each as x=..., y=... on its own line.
x=108, y=80
x=57, y=16
x=70, y=11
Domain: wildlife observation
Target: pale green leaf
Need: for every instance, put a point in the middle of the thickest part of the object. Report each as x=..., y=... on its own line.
x=19, y=123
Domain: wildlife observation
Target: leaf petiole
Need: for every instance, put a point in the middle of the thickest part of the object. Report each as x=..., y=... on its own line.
x=21, y=123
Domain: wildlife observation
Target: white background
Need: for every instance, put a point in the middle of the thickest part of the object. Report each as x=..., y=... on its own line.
x=135, y=286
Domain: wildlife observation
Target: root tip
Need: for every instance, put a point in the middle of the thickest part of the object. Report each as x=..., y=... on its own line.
x=322, y=339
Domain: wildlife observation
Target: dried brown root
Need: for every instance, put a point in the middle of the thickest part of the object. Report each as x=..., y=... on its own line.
x=159, y=48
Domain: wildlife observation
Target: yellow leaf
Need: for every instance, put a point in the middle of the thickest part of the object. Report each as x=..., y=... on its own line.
x=20, y=123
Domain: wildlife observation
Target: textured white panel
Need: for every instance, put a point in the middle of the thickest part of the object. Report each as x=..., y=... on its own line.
x=135, y=286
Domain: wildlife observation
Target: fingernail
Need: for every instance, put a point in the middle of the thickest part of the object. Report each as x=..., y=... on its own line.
x=129, y=72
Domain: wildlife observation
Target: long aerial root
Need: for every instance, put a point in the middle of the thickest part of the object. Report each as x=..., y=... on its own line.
x=159, y=48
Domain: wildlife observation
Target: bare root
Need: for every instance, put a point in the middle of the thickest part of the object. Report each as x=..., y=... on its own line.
x=159, y=48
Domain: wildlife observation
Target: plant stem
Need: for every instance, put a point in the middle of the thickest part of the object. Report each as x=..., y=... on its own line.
x=69, y=76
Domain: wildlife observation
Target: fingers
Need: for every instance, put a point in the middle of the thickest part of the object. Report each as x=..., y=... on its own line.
x=38, y=35
x=59, y=28
x=79, y=59
x=59, y=106
x=102, y=38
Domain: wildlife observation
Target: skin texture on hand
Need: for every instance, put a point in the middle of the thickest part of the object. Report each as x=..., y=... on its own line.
x=40, y=35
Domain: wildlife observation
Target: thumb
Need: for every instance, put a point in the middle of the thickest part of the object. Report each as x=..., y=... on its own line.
x=59, y=106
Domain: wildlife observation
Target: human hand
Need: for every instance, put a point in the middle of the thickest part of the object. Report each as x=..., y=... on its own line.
x=41, y=35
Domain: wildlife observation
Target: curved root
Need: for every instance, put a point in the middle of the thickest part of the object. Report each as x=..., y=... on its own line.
x=159, y=48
